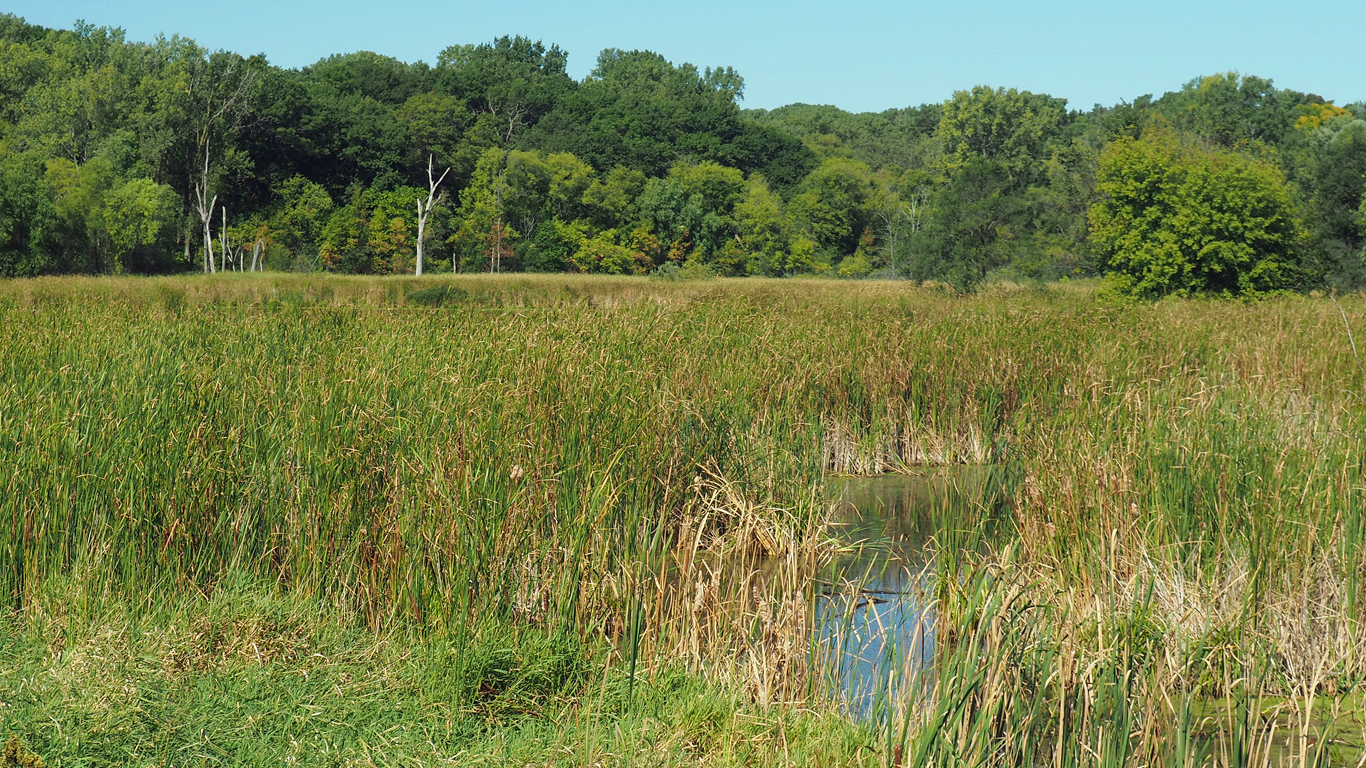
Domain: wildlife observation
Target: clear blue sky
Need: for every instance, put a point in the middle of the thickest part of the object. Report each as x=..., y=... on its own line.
x=860, y=55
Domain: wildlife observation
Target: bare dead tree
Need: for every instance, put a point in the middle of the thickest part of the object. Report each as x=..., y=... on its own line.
x=223, y=244
x=513, y=111
x=256, y=254
x=204, y=206
x=223, y=109
x=515, y=115
x=424, y=208
x=899, y=216
x=496, y=263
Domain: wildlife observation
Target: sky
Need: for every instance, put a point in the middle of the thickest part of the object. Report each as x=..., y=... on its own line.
x=861, y=55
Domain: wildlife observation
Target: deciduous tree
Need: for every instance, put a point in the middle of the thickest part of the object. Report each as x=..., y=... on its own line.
x=1178, y=217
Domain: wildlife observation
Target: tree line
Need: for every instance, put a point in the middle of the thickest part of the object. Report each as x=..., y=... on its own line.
x=127, y=157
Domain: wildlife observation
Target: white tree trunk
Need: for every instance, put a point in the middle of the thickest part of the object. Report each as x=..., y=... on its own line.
x=255, y=254
x=223, y=241
x=210, y=263
x=226, y=110
x=421, y=234
x=205, y=207
x=424, y=208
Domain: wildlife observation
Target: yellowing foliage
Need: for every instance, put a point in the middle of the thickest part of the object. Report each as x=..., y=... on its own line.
x=1315, y=115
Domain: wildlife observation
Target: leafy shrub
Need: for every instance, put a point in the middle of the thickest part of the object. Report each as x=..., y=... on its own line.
x=603, y=254
x=672, y=272
x=438, y=296
x=857, y=265
x=1179, y=218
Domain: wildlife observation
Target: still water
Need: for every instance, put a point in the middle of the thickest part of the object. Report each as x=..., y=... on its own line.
x=874, y=618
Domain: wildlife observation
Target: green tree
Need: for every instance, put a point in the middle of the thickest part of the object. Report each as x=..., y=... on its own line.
x=760, y=231
x=359, y=140
x=1231, y=109
x=638, y=110
x=552, y=247
x=512, y=80
x=27, y=217
x=835, y=205
x=435, y=123
x=537, y=186
x=570, y=180
x=22, y=66
x=1334, y=181
x=302, y=210
x=692, y=209
x=80, y=95
x=484, y=240
x=1178, y=217
x=1009, y=127
x=78, y=194
x=272, y=141
x=373, y=232
x=139, y=219
x=611, y=198
x=382, y=78
x=967, y=231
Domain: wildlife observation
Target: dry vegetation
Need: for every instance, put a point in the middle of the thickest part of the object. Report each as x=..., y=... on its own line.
x=621, y=484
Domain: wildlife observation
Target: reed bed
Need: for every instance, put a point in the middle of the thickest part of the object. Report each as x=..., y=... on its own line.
x=582, y=496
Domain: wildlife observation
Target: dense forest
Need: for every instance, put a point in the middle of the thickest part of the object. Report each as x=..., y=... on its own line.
x=125, y=157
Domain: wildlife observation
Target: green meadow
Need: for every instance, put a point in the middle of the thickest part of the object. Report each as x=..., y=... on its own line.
x=569, y=520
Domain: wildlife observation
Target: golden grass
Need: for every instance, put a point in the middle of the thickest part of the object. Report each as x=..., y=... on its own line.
x=644, y=463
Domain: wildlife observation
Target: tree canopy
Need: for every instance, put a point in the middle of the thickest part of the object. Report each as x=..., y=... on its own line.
x=1181, y=217
x=121, y=156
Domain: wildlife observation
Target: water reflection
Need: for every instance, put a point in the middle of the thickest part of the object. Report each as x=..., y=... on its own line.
x=874, y=618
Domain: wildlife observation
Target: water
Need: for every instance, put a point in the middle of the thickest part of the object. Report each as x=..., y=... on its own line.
x=875, y=628
x=875, y=617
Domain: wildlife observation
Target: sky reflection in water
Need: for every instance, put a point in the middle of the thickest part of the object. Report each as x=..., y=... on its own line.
x=874, y=619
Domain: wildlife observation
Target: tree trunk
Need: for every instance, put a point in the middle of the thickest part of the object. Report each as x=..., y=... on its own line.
x=424, y=209
x=421, y=234
x=223, y=240
x=210, y=264
x=205, y=207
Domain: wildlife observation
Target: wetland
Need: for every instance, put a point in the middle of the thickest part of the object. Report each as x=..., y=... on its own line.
x=571, y=521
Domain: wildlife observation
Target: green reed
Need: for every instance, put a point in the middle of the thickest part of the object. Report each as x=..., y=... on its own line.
x=413, y=460
x=528, y=452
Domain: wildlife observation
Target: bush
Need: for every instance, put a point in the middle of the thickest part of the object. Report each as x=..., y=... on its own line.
x=1179, y=218
x=601, y=254
x=857, y=265
x=437, y=296
x=672, y=272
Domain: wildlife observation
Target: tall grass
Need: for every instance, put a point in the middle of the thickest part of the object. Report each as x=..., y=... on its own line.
x=642, y=466
x=513, y=455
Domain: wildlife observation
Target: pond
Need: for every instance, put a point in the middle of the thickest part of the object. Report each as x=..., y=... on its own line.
x=874, y=629
x=874, y=617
